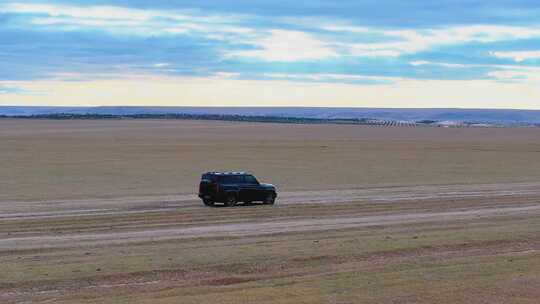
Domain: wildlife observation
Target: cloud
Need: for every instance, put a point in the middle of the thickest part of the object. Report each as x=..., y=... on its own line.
x=124, y=20
x=518, y=56
x=529, y=75
x=284, y=45
x=29, y=54
x=333, y=78
x=161, y=64
x=13, y=90
x=305, y=43
x=493, y=71
x=510, y=75
x=88, y=12
x=417, y=40
x=356, y=43
x=443, y=64
x=388, y=13
x=216, y=91
x=419, y=62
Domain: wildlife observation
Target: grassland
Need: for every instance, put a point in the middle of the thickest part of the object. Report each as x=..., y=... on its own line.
x=77, y=159
x=104, y=212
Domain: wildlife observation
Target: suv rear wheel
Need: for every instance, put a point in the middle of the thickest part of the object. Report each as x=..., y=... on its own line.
x=208, y=202
x=231, y=200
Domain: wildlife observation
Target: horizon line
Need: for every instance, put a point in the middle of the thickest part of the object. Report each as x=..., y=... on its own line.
x=266, y=107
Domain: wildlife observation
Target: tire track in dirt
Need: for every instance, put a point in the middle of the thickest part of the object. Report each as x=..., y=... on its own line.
x=186, y=202
x=255, y=228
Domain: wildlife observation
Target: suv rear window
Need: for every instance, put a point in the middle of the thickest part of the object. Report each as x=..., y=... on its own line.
x=209, y=177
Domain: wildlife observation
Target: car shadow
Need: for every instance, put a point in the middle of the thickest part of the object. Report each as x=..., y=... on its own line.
x=219, y=205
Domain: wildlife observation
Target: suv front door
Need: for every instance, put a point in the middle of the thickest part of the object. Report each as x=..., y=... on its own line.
x=251, y=186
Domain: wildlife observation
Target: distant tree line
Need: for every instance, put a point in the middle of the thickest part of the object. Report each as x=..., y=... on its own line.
x=254, y=118
x=183, y=116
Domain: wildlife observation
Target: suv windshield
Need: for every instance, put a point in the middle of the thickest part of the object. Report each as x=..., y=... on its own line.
x=250, y=179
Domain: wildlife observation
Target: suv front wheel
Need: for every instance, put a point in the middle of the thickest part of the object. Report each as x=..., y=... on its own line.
x=270, y=199
x=231, y=200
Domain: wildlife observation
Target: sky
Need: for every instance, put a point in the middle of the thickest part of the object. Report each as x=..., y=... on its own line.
x=350, y=53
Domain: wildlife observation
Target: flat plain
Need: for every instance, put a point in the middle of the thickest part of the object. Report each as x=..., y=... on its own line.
x=104, y=211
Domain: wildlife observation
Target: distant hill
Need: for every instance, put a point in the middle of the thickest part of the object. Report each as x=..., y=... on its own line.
x=504, y=117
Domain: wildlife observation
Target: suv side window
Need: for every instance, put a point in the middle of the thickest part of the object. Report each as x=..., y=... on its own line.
x=231, y=179
x=250, y=179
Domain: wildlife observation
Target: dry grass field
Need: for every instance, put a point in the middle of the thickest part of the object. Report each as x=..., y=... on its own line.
x=43, y=159
x=105, y=212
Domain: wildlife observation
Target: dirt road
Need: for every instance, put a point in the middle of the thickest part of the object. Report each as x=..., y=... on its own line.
x=173, y=248
x=157, y=205
x=249, y=229
x=118, y=205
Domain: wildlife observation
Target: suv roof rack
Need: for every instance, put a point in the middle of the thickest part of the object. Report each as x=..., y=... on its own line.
x=227, y=172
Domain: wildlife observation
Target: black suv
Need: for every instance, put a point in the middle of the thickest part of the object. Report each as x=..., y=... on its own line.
x=233, y=187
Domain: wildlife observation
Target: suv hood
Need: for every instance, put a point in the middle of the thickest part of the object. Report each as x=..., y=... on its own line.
x=268, y=186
